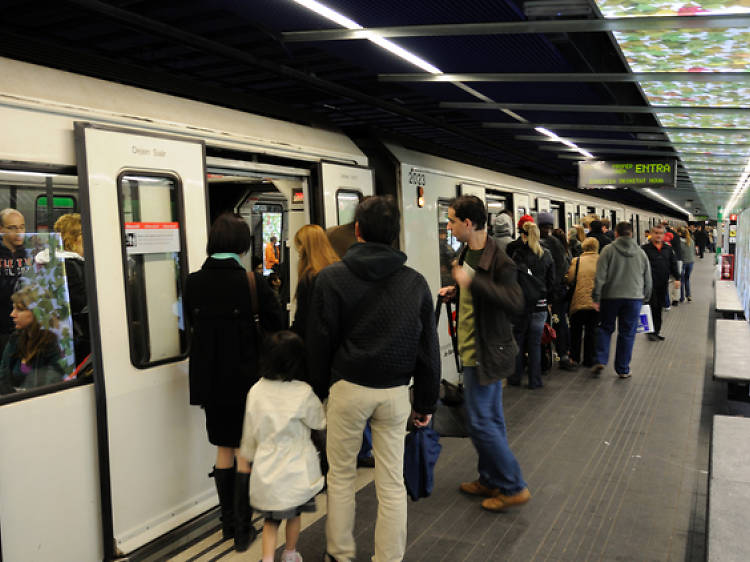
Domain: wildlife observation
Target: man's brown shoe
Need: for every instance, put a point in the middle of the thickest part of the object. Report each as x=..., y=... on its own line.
x=500, y=502
x=478, y=489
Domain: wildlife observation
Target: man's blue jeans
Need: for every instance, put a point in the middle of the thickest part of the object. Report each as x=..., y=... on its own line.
x=498, y=467
x=627, y=313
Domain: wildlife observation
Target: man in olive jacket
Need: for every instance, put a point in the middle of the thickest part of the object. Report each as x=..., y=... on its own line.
x=488, y=294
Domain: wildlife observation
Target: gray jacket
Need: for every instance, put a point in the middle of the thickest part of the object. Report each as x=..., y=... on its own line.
x=623, y=272
x=688, y=250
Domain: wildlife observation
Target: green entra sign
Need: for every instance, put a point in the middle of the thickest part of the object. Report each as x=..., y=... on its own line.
x=634, y=173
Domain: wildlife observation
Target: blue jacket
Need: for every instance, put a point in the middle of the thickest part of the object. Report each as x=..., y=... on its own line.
x=421, y=453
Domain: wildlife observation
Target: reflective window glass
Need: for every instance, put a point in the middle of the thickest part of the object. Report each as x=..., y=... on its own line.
x=153, y=250
x=346, y=204
x=448, y=244
x=44, y=323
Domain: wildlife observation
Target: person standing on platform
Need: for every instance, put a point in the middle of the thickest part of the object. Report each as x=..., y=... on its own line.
x=371, y=331
x=503, y=229
x=488, y=295
x=596, y=232
x=224, y=354
x=516, y=244
x=343, y=237
x=663, y=263
x=607, y=229
x=557, y=300
x=576, y=237
x=674, y=288
x=583, y=316
x=529, y=326
x=701, y=240
x=622, y=283
x=271, y=254
x=688, y=260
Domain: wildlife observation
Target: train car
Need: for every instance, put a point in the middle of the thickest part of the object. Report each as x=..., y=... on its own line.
x=126, y=456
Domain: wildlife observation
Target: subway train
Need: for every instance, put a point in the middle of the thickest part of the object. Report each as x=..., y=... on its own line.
x=125, y=457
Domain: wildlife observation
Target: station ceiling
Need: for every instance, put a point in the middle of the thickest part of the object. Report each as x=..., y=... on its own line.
x=497, y=83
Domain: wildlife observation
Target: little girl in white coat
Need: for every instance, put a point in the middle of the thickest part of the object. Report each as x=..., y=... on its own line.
x=280, y=412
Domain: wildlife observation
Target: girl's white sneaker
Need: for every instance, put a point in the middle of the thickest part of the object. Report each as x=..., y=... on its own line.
x=291, y=556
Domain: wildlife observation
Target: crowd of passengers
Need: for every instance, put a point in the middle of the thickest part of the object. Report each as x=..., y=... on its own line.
x=364, y=331
x=31, y=354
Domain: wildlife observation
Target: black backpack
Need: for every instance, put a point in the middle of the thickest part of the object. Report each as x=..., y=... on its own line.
x=533, y=289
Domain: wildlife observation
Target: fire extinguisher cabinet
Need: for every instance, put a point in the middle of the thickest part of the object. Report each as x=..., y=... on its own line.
x=727, y=267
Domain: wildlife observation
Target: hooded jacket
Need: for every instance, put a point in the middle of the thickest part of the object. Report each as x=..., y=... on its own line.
x=584, y=281
x=622, y=272
x=497, y=297
x=502, y=230
x=372, y=323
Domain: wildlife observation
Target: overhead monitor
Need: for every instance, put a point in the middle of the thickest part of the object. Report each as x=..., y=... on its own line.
x=653, y=173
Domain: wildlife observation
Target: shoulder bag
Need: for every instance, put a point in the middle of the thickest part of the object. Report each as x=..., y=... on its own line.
x=259, y=333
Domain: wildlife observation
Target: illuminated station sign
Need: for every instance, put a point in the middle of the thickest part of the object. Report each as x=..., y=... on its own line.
x=598, y=174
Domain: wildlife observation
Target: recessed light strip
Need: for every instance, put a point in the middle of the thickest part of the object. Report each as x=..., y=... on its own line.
x=554, y=136
x=667, y=201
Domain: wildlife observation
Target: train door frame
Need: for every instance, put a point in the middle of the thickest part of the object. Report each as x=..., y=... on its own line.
x=557, y=208
x=337, y=177
x=496, y=195
x=104, y=153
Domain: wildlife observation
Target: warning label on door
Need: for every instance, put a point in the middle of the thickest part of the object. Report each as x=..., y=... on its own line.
x=152, y=237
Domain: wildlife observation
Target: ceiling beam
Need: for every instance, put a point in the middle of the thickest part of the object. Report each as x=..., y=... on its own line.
x=613, y=128
x=587, y=108
x=742, y=77
x=518, y=27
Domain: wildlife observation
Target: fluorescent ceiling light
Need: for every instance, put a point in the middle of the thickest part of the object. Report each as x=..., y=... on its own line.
x=382, y=42
x=667, y=201
x=554, y=136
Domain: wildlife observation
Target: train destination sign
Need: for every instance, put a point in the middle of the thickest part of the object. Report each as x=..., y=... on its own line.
x=633, y=173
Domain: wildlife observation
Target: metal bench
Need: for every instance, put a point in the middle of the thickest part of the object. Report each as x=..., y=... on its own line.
x=727, y=300
x=729, y=490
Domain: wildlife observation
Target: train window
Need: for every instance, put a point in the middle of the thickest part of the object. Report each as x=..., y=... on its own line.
x=44, y=341
x=61, y=205
x=448, y=244
x=155, y=268
x=346, y=203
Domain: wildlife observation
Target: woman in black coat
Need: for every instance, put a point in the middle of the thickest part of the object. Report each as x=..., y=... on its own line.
x=224, y=353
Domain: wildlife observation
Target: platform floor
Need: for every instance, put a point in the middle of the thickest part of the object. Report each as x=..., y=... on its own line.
x=617, y=468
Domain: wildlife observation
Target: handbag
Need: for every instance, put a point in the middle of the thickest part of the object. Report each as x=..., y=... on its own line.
x=259, y=333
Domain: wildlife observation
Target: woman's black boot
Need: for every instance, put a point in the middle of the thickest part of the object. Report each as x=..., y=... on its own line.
x=224, y=478
x=244, y=532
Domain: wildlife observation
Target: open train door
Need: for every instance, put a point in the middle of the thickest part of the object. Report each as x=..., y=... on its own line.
x=343, y=187
x=146, y=199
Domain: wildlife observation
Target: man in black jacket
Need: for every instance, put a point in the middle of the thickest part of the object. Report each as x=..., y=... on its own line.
x=596, y=231
x=488, y=295
x=673, y=292
x=371, y=330
x=663, y=264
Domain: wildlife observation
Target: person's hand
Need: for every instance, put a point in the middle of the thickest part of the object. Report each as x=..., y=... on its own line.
x=462, y=278
x=420, y=420
x=676, y=284
x=596, y=306
x=447, y=293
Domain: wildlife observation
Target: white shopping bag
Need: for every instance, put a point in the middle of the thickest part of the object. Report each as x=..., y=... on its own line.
x=646, y=321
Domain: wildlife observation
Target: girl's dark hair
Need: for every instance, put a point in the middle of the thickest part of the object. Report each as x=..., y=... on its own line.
x=229, y=233
x=284, y=357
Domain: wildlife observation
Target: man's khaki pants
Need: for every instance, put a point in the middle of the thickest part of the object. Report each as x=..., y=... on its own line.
x=349, y=408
